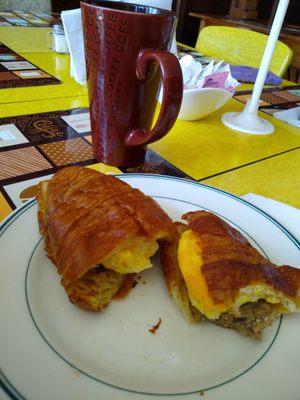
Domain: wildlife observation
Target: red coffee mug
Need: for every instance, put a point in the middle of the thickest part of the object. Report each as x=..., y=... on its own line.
x=124, y=45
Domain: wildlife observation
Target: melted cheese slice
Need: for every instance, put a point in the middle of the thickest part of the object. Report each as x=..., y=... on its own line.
x=133, y=259
x=190, y=263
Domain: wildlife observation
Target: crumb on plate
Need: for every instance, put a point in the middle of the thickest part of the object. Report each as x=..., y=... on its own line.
x=155, y=327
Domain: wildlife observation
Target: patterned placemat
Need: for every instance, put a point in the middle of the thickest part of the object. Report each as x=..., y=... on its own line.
x=33, y=147
x=25, y=18
x=275, y=99
x=16, y=71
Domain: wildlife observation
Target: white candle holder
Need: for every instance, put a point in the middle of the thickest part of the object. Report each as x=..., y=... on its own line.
x=247, y=123
x=248, y=120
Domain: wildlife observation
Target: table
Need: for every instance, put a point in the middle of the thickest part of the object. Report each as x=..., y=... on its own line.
x=31, y=43
x=204, y=150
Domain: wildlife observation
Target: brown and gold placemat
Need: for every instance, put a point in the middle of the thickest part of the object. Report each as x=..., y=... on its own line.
x=33, y=147
x=274, y=99
x=16, y=71
x=26, y=18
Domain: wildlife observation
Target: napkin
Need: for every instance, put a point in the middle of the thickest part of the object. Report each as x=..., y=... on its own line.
x=214, y=75
x=72, y=23
x=285, y=214
x=244, y=73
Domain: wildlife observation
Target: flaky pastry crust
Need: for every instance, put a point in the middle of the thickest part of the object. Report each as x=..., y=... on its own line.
x=86, y=216
x=231, y=263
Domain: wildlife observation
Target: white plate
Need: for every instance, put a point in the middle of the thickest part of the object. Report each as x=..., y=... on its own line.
x=50, y=349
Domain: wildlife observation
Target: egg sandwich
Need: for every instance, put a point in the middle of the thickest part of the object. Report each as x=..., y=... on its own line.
x=213, y=273
x=99, y=232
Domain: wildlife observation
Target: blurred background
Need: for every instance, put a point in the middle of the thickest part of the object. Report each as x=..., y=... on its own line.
x=194, y=15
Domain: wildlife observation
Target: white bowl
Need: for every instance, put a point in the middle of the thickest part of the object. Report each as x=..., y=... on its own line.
x=198, y=103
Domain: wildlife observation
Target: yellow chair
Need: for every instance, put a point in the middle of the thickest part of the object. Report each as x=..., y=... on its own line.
x=241, y=47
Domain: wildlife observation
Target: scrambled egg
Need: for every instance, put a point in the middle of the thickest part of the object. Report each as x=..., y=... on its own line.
x=133, y=259
x=190, y=262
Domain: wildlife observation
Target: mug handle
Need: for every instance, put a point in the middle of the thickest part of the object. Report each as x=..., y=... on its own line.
x=172, y=95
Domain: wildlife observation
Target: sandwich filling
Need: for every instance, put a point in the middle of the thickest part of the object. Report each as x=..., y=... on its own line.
x=113, y=278
x=134, y=258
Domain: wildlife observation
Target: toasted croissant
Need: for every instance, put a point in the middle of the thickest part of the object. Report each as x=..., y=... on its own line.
x=90, y=219
x=226, y=280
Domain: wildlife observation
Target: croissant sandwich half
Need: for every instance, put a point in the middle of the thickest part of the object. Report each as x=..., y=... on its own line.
x=213, y=273
x=99, y=232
